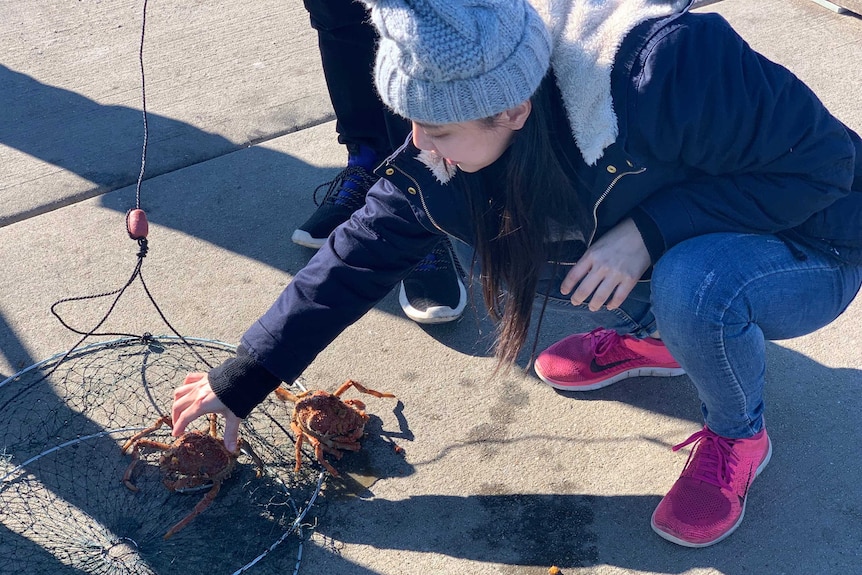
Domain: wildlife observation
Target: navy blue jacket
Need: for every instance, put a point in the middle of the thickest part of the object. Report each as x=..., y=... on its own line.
x=713, y=137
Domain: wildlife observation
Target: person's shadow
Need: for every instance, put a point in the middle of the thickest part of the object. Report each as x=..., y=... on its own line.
x=100, y=143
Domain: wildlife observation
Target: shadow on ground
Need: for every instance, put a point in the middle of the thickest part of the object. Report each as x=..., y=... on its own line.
x=809, y=491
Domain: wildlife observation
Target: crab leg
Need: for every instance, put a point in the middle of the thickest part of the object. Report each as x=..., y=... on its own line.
x=199, y=508
x=349, y=446
x=136, y=456
x=159, y=422
x=318, y=453
x=300, y=436
x=244, y=447
x=318, y=450
x=127, y=476
x=285, y=395
x=359, y=387
x=330, y=449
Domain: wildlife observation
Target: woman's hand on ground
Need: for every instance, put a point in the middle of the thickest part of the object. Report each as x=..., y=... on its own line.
x=609, y=269
x=195, y=398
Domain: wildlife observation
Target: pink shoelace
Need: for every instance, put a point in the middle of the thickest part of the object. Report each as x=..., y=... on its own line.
x=715, y=458
x=603, y=340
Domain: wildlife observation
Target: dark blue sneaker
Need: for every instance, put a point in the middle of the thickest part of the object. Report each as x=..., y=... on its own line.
x=344, y=195
x=434, y=292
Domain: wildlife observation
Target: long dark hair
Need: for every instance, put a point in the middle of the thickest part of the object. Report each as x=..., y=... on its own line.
x=516, y=207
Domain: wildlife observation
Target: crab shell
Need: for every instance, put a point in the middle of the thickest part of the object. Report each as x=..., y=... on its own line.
x=336, y=423
x=194, y=460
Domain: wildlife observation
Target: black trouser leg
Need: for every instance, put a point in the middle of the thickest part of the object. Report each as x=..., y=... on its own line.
x=347, y=42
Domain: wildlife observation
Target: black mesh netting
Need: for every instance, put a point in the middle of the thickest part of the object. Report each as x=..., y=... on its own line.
x=64, y=508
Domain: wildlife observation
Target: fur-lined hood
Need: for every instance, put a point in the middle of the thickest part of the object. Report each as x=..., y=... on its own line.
x=587, y=35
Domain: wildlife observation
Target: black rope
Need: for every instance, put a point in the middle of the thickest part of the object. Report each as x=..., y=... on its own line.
x=142, y=251
x=143, y=108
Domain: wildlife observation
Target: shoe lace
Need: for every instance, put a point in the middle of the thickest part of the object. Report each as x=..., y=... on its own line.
x=603, y=341
x=437, y=259
x=347, y=188
x=711, y=459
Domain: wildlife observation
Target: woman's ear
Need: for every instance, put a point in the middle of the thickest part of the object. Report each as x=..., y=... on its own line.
x=514, y=118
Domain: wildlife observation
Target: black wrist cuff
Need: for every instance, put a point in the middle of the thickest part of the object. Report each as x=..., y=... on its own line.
x=651, y=235
x=241, y=383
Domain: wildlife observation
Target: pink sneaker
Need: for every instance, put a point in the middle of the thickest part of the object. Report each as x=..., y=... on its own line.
x=707, y=502
x=587, y=361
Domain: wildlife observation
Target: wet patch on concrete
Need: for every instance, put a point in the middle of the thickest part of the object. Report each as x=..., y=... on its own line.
x=541, y=530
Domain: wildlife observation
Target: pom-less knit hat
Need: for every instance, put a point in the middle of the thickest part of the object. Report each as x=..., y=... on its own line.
x=444, y=61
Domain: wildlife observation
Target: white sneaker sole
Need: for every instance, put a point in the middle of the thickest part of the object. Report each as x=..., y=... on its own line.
x=303, y=238
x=636, y=372
x=436, y=314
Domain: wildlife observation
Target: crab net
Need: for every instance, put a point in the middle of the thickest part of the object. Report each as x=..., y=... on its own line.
x=64, y=507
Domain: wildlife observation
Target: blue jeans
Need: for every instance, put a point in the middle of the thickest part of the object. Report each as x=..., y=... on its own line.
x=715, y=299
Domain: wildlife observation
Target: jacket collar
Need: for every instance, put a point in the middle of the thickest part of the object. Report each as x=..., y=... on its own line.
x=442, y=171
x=587, y=35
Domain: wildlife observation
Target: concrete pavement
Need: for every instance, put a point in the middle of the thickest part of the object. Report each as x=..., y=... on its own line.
x=501, y=476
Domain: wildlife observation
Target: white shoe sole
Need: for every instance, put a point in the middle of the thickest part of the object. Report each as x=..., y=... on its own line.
x=636, y=372
x=303, y=238
x=436, y=314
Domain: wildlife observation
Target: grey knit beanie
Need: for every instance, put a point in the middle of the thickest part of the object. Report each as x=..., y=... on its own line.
x=443, y=61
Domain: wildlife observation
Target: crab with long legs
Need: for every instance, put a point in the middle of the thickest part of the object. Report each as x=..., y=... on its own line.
x=195, y=460
x=330, y=424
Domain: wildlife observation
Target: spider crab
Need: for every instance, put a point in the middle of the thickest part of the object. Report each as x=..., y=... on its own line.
x=194, y=461
x=330, y=424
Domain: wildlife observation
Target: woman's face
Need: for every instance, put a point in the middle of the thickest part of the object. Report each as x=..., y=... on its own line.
x=471, y=145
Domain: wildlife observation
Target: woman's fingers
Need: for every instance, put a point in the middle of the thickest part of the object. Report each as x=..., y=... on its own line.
x=195, y=398
x=586, y=288
x=598, y=287
x=609, y=269
x=574, y=276
x=621, y=292
x=602, y=294
x=231, y=431
x=191, y=400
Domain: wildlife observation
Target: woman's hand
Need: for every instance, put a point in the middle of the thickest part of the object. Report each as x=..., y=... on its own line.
x=609, y=269
x=195, y=398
